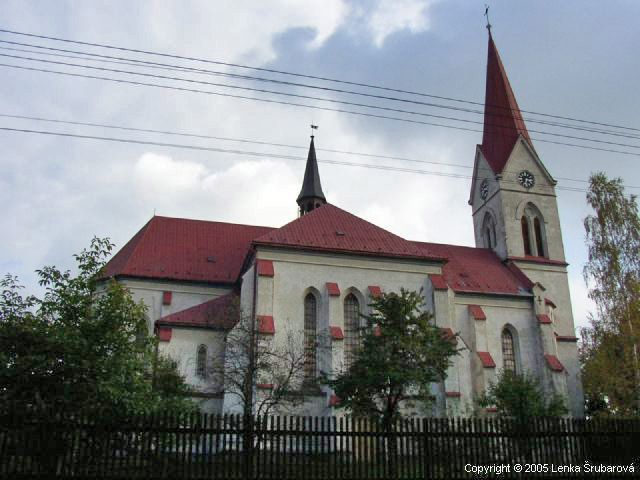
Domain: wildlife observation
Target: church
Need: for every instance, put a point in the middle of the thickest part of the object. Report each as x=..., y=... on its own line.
x=505, y=302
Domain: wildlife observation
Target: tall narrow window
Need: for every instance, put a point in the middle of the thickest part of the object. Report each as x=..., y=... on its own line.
x=488, y=236
x=351, y=328
x=538, y=232
x=310, y=324
x=525, y=235
x=508, y=352
x=201, y=362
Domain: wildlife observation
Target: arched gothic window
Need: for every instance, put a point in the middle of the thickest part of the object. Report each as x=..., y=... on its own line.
x=489, y=231
x=525, y=235
x=310, y=325
x=351, y=328
x=538, y=231
x=533, y=233
x=201, y=362
x=508, y=350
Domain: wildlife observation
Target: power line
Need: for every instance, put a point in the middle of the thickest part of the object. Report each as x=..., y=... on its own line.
x=164, y=66
x=255, y=142
x=315, y=107
x=261, y=154
x=283, y=72
x=307, y=97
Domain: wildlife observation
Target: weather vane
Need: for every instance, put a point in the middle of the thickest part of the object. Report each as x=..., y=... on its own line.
x=313, y=127
x=486, y=14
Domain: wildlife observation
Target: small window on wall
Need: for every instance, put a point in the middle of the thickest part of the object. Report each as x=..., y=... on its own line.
x=201, y=362
x=508, y=351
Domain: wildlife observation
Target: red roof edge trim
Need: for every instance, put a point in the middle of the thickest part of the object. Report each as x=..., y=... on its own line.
x=336, y=333
x=544, y=319
x=265, y=268
x=532, y=259
x=486, y=359
x=491, y=409
x=566, y=338
x=374, y=291
x=334, y=401
x=477, y=312
x=438, y=281
x=166, y=298
x=164, y=334
x=553, y=363
x=549, y=302
x=266, y=325
x=265, y=386
x=448, y=334
x=453, y=394
x=333, y=289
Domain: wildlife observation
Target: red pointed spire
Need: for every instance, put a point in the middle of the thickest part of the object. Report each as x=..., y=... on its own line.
x=503, y=121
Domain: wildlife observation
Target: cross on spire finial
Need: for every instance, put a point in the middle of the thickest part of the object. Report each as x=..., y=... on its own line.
x=486, y=14
x=313, y=127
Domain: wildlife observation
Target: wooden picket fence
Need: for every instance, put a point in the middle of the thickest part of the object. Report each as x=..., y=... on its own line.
x=226, y=447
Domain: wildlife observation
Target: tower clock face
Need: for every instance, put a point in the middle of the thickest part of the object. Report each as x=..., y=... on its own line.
x=484, y=189
x=526, y=179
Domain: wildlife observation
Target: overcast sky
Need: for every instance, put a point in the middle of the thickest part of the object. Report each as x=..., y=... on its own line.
x=572, y=58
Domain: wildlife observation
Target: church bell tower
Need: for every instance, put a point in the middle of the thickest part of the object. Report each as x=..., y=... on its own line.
x=311, y=196
x=513, y=196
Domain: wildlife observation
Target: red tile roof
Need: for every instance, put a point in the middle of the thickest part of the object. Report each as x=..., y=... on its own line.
x=566, y=338
x=266, y=325
x=333, y=289
x=476, y=270
x=265, y=268
x=374, y=291
x=477, y=312
x=553, y=363
x=329, y=228
x=549, y=302
x=438, y=281
x=186, y=250
x=164, y=334
x=216, y=314
x=486, y=359
x=448, y=334
x=214, y=252
x=503, y=121
x=336, y=333
x=544, y=319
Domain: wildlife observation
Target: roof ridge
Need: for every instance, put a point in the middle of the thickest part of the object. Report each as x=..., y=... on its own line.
x=212, y=221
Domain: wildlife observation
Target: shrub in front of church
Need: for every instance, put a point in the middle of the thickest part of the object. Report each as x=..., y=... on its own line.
x=520, y=397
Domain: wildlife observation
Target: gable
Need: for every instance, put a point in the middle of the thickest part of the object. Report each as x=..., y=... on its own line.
x=523, y=157
x=329, y=228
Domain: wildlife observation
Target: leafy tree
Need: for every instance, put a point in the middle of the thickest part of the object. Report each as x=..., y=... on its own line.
x=83, y=346
x=402, y=352
x=610, y=347
x=520, y=397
